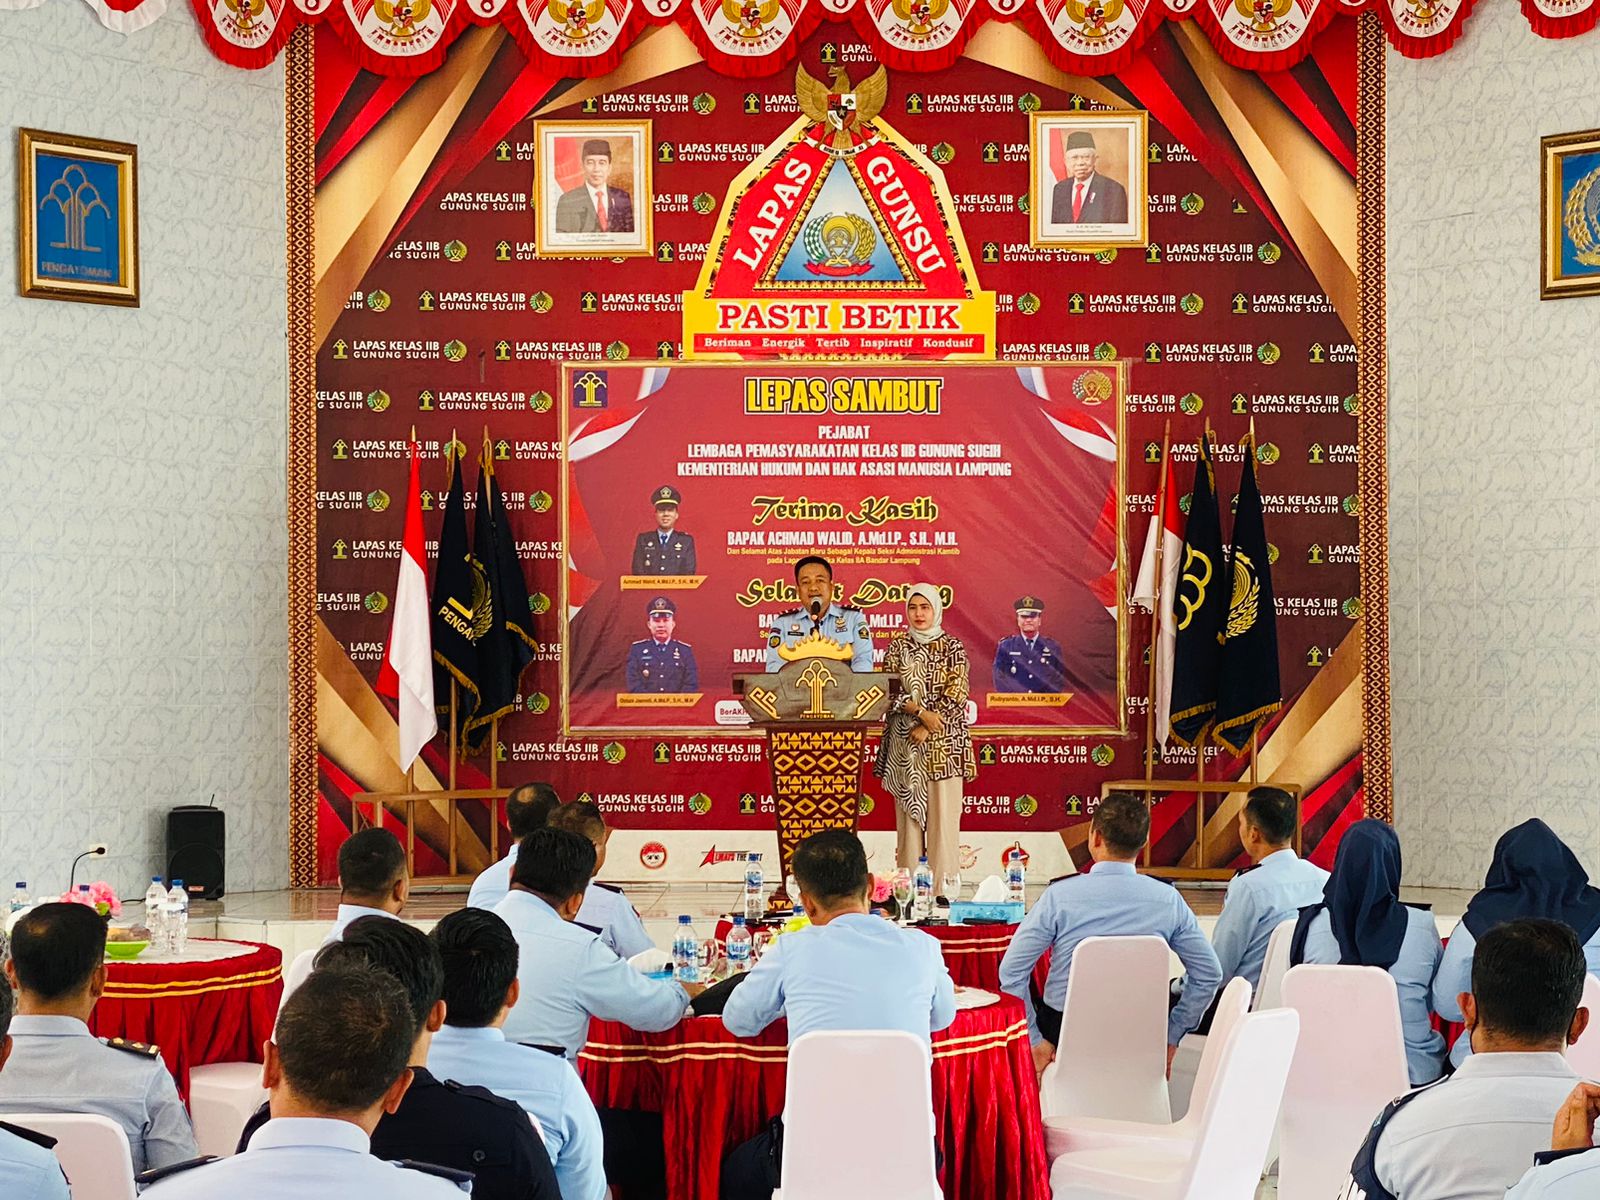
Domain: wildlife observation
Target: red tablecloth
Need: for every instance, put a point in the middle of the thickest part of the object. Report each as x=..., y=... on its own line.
x=198, y=1013
x=715, y=1091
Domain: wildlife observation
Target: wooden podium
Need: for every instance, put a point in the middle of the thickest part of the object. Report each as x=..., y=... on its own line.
x=815, y=711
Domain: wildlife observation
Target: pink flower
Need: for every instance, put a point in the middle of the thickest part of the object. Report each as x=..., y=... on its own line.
x=882, y=889
x=102, y=893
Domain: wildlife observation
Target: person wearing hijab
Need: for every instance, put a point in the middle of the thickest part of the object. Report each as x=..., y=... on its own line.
x=1532, y=874
x=926, y=751
x=1362, y=923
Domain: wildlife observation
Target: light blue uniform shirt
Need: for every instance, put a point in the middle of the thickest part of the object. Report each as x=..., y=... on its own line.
x=568, y=975
x=1257, y=902
x=846, y=625
x=348, y=914
x=543, y=1085
x=1454, y=976
x=492, y=884
x=58, y=1066
x=294, y=1158
x=604, y=908
x=29, y=1171
x=1575, y=1177
x=856, y=972
x=1111, y=899
x=1412, y=973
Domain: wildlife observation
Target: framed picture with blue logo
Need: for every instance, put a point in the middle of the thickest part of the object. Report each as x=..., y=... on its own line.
x=77, y=218
x=1570, y=208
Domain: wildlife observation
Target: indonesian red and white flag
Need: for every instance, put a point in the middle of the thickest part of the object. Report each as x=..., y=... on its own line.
x=1166, y=524
x=407, y=671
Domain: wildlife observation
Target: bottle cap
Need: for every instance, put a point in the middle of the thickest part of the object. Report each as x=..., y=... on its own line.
x=177, y=883
x=83, y=887
x=684, y=919
x=22, y=883
x=155, y=879
x=738, y=919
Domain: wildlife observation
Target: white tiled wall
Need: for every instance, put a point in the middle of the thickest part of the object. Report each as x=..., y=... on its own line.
x=142, y=544
x=1494, y=457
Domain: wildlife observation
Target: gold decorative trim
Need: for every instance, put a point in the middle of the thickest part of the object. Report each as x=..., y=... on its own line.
x=1372, y=389
x=300, y=192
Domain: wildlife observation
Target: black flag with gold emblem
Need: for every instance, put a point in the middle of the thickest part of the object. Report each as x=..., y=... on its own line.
x=505, y=647
x=1199, y=608
x=1248, y=689
x=457, y=608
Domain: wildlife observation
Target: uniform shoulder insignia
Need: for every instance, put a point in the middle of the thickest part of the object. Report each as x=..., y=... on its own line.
x=1074, y=875
x=609, y=887
x=684, y=644
x=448, y=1173
x=1420, y=905
x=848, y=608
x=594, y=929
x=792, y=612
x=127, y=1047
x=145, y=1178
x=29, y=1135
x=1245, y=870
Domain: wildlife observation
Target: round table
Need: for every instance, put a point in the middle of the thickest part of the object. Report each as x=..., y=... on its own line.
x=714, y=1091
x=216, y=1002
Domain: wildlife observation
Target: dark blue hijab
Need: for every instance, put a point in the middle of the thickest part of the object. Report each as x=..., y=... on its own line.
x=1362, y=899
x=1534, y=875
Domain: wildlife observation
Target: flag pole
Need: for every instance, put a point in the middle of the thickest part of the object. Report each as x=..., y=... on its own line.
x=1200, y=742
x=454, y=688
x=1155, y=612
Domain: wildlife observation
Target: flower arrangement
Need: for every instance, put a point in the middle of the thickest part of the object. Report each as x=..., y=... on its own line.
x=882, y=889
x=101, y=897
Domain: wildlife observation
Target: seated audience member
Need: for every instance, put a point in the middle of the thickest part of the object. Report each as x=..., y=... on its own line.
x=335, y=1066
x=1111, y=899
x=480, y=987
x=1570, y=1169
x=527, y=808
x=441, y=1122
x=1362, y=923
x=1533, y=874
x=58, y=1066
x=28, y=1169
x=848, y=970
x=372, y=879
x=568, y=974
x=1471, y=1136
x=605, y=909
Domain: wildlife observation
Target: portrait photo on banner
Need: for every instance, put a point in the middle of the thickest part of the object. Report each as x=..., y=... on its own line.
x=591, y=188
x=77, y=218
x=1570, y=221
x=1087, y=174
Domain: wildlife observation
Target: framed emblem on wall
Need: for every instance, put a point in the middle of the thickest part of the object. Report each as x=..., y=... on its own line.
x=591, y=191
x=1087, y=188
x=77, y=218
x=1570, y=215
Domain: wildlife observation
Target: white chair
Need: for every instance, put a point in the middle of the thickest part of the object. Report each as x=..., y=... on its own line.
x=93, y=1151
x=1224, y=1160
x=1351, y=1061
x=1112, y=1057
x=1584, y=1054
x=222, y=1097
x=1190, y=1059
x=296, y=974
x=1269, y=992
x=829, y=1151
x=1065, y=1135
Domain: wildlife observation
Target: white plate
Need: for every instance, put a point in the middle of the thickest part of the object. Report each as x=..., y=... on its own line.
x=975, y=998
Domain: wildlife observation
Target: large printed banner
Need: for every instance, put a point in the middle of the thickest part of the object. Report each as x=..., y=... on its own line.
x=897, y=475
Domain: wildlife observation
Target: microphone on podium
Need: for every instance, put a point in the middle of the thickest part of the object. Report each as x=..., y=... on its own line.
x=816, y=609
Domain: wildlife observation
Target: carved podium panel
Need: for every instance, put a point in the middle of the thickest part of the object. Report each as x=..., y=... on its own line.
x=816, y=712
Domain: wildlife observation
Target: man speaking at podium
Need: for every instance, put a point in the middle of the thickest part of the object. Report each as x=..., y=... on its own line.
x=813, y=579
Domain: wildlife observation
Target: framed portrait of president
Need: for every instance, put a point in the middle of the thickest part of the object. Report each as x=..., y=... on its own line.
x=591, y=189
x=1088, y=179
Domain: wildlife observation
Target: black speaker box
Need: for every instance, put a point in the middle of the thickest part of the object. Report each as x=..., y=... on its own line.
x=196, y=849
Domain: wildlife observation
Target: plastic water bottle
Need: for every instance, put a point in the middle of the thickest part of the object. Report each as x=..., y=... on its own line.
x=923, y=882
x=155, y=897
x=755, y=905
x=175, y=918
x=1016, y=876
x=738, y=947
x=686, y=953
x=19, y=897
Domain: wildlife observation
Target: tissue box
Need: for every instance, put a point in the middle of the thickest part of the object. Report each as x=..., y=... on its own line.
x=1008, y=912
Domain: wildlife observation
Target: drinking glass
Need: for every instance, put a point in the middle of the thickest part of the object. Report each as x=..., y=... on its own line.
x=950, y=886
x=904, y=892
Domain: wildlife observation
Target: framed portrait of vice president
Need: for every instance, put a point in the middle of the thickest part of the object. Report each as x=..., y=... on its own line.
x=591, y=189
x=1088, y=179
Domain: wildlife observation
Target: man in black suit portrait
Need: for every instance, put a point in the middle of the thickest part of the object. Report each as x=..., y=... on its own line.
x=595, y=206
x=1084, y=196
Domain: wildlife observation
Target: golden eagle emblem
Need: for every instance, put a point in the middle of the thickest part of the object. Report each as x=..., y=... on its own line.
x=840, y=106
x=923, y=16
x=1094, y=17
x=1246, y=598
x=402, y=16
x=245, y=13
x=750, y=18
x=1263, y=15
x=577, y=19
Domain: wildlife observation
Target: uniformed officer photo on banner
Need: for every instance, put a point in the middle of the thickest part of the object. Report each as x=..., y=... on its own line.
x=1027, y=661
x=665, y=549
x=591, y=188
x=661, y=663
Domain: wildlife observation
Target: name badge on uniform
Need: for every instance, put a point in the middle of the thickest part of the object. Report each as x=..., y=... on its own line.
x=838, y=624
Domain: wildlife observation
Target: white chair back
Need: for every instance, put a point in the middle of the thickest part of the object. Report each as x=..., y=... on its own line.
x=1112, y=1058
x=1351, y=1061
x=1231, y=1146
x=93, y=1151
x=222, y=1099
x=1584, y=1054
x=1197, y=1052
x=1270, y=992
x=1232, y=1006
x=826, y=1142
x=298, y=970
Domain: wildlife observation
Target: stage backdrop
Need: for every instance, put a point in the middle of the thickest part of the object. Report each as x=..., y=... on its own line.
x=434, y=309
